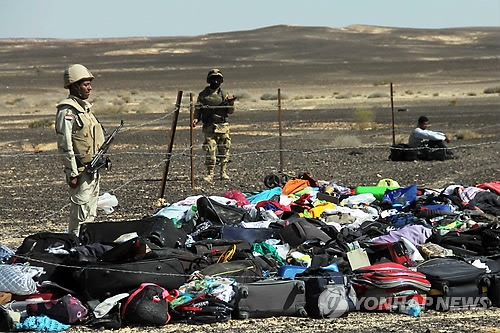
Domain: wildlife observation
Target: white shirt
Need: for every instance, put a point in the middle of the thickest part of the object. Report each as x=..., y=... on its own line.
x=418, y=135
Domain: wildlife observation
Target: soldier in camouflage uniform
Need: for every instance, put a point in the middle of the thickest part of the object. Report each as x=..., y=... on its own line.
x=79, y=137
x=212, y=108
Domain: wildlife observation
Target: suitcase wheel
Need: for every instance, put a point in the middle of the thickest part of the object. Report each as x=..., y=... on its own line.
x=302, y=312
x=243, y=315
x=446, y=289
x=244, y=292
x=485, y=282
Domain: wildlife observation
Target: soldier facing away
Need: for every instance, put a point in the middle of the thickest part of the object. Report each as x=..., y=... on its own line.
x=79, y=137
x=213, y=107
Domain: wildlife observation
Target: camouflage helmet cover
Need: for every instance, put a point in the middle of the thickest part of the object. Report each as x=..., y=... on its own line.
x=214, y=72
x=75, y=73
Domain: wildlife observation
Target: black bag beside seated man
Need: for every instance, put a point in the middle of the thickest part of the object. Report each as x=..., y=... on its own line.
x=423, y=144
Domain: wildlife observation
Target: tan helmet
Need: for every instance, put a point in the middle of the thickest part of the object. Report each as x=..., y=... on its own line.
x=214, y=72
x=75, y=73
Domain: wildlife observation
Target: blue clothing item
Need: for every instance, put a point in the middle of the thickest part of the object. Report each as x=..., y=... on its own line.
x=42, y=324
x=5, y=253
x=401, y=197
x=265, y=195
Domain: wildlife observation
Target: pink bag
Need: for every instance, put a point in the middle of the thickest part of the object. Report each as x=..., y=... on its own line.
x=238, y=196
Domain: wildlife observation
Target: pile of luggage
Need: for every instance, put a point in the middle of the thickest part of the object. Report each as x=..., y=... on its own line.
x=300, y=248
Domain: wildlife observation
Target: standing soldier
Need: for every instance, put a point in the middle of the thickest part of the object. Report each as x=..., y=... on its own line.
x=212, y=108
x=79, y=137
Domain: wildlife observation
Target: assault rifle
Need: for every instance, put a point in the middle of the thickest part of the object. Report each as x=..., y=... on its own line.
x=100, y=161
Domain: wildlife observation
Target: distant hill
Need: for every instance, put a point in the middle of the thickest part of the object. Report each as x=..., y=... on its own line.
x=280, y=55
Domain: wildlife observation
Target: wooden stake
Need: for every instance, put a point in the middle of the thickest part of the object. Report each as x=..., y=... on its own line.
x=392, y=108
x=171, y=143
x=280, y=129
x=191, y=118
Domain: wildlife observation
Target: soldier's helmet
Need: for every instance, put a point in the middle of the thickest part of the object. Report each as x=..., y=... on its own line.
x=215, y=72
x=75, y=73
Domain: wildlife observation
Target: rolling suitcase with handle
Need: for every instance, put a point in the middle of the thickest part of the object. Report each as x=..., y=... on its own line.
x=455, y=284
x=271, y=297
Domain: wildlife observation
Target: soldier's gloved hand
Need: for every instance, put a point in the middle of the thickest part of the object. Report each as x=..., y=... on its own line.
x=73, y=182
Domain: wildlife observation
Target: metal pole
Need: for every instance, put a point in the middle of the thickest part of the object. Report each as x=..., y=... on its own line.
x=171, y=142
x=280, y=129
x=392, y=108
x=191, y=117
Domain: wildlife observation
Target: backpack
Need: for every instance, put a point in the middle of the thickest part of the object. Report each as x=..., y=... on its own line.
x=148, y=305
x=66, y=310
x=203, y=309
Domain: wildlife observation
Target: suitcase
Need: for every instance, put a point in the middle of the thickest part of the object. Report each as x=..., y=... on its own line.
x=269, y=298
x=157, y=230
x=103, y=280
x=213, y=249
x=251, y=235
x=389, y=285
x=329, y=294
x=403, y=152
x=243, y=271
x=456, y=284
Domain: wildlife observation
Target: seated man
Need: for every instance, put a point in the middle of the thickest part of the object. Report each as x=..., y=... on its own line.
x=422, y=137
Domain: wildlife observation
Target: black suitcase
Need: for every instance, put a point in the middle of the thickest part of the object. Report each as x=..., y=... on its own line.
x=158, y=230
x=251, y=235
x=243, y=271
x=103, y=280
x=403, y=152
x=269, y=298
x=455, y=284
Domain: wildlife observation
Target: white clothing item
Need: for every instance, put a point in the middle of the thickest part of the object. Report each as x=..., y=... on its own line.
x=418, y=135
x=105, y=306
x=223, y=200
x=413, y=252
x=285, y=200
x=259, y=224
x=363, y=198
x=173, y=212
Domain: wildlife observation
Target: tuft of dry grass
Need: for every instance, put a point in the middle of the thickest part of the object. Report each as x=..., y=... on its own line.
x=346, y=141
x=272, y=96
x=378, y=94
x=492, y=90
x=42, y=123
x=364, y=118
x=467, y=134
x=344, y=95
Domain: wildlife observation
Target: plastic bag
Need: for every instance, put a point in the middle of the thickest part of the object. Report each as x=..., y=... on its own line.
x=106, y=202
x=18, y=279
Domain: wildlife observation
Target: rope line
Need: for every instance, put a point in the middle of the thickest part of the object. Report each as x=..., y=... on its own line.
x=289, y=150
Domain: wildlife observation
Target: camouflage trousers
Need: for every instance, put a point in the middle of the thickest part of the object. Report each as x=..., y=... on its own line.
x=83, y=199
x=216, y=146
